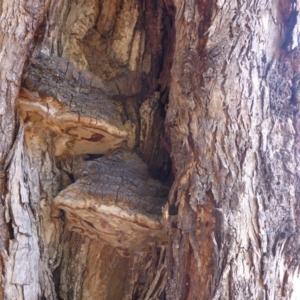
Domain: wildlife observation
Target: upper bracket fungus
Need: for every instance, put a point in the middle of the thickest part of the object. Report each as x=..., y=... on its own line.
x=66, y=101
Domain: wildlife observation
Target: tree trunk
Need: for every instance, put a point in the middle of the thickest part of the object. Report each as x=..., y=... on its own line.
x=149, y=149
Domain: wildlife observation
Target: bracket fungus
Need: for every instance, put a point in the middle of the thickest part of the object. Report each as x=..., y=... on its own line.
x=115, y=200
x=67, y=102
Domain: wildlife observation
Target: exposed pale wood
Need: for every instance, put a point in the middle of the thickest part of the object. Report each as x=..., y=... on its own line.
x=34, y=250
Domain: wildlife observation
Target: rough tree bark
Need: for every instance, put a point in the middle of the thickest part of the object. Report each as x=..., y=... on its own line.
x=201, y=97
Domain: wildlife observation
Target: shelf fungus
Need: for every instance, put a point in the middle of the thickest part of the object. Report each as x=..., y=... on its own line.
x=73, y=105
x=115, y=200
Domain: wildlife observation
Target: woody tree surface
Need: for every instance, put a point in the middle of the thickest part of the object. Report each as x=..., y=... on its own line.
x=149, y=149
x=233, y=117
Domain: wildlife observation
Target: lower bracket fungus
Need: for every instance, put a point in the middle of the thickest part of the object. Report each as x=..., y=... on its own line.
x=115, y=200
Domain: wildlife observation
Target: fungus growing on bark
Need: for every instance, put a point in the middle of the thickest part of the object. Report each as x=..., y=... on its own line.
x=115, y=200
x=67, y=102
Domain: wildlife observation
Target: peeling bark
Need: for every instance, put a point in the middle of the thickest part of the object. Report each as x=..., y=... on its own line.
x=18, y=24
